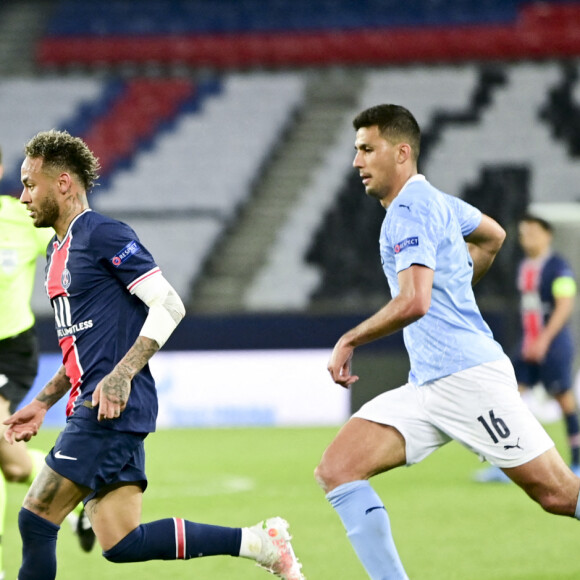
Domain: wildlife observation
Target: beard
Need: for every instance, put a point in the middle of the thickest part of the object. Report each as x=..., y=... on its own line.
x=374, y=193
x=46, y=214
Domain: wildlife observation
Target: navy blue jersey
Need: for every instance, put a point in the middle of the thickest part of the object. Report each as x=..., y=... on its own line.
x=89, y=278
x=535, y=281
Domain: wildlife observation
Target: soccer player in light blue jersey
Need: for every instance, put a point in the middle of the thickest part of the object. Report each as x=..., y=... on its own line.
x=461, y=386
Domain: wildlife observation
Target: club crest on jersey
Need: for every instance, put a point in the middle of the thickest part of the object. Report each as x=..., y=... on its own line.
x=405, y=244
x=65, y=279
x=129, y=250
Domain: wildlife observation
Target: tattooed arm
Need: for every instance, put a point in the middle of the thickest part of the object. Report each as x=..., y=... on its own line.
x=24, y=424
x=112, y=393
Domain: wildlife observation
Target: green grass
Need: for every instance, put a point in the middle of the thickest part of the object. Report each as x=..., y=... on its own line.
x=445, y=526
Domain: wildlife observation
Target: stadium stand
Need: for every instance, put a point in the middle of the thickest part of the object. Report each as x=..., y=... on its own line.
x=562, y=111
x=493, y=150
x=210, y=158
x=134, y=117
x=29, y=105
x=229, y=33
x=286, y=281
x=179, y=159
x=197, y=176
x=503, y=123
x=511, y=131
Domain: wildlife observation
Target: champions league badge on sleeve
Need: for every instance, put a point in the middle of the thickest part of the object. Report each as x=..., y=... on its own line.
x=405, y=244
x=129, y=250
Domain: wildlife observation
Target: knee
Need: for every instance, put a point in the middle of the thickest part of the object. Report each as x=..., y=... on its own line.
x=115, y=555
x=15, y=473
x=129, y=549
x=326, y=477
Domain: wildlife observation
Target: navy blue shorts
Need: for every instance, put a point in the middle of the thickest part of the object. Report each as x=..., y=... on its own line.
x=96, y=457
x=554, y=373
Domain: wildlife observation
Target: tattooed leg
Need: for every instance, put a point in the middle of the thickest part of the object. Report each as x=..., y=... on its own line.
x=49, y=500
x=53, y=496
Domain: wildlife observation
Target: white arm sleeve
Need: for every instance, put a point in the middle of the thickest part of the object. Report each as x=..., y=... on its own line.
x=165, y=308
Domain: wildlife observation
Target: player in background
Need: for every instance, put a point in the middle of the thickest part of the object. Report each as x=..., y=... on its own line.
x=20, y=246
x=545, y=355
x=461, y=385
x=113, y=310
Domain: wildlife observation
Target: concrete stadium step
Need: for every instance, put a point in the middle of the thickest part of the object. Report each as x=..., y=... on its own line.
x=237, y=258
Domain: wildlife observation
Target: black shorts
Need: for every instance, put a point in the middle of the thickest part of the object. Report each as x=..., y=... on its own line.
x=97, y=457
x=18, y=366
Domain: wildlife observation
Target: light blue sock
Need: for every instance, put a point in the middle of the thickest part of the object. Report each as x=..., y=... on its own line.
x=368, y=528
x=577, y=512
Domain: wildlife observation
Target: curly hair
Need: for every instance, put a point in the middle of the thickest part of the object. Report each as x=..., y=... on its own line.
x=61, y=151
x=395, y=123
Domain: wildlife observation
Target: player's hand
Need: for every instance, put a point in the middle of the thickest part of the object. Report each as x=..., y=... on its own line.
x=536, y=350
x=339, y=365
x=111, y=395
x=24, y=424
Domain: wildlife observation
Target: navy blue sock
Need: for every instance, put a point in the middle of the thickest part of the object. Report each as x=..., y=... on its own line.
x=175, y=539
x=38, y=547
x=573, y=431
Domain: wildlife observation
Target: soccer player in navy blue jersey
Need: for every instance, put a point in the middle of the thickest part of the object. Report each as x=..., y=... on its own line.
x=461, y=385
x=113, y=311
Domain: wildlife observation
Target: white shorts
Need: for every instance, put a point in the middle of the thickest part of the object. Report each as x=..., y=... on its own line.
x=480, y=407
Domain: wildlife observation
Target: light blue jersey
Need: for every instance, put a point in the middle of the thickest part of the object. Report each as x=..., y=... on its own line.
x=425, y=226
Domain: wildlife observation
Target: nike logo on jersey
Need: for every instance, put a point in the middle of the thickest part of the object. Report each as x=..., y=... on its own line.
x=377, y=507
x=59, y=455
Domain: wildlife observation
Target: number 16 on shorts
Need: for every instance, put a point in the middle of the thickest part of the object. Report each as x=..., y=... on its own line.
x=495, y=426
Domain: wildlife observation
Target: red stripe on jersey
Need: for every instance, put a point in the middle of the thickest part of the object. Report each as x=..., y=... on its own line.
x=143, y=277
x=533, y=324
x=179, y=538
x=55, y=288
x=530, y=279
x=70, y=359
x=58, y=261
x=532, y=315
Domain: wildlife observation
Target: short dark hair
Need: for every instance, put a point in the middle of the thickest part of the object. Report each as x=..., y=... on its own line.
x=545, y=225
x=395, y=123
x=61, y=151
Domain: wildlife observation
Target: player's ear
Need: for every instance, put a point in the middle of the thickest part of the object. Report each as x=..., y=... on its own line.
x=64, y=182
x=404, y=152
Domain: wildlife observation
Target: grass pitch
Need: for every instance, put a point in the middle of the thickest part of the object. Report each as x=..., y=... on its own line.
x=446, y=527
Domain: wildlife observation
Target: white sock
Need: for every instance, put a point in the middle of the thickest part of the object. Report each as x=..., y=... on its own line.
x=251, y=545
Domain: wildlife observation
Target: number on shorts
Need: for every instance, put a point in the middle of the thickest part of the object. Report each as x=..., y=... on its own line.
x=498, y=425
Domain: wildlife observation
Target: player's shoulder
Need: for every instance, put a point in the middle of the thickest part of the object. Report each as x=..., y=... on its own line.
x=93, y=220
x=421, y=201
x=559, y=265
x=414, y=194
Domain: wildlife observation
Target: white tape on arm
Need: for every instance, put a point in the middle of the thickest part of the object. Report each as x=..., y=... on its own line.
x=166, y=309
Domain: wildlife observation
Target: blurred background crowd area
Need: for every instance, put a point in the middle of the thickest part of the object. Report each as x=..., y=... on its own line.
x=224, y=133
